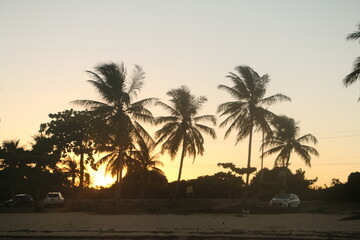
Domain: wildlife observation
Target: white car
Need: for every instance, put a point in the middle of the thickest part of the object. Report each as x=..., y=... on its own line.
x=54, y=198
x=285, y=200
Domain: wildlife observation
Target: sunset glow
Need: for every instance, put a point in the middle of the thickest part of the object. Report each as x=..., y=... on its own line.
x=46, y=49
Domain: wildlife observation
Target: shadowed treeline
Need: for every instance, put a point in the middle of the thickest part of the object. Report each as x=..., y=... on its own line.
x=113, y=127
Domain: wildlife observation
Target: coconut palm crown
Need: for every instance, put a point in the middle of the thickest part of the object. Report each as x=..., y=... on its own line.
x=249, y=110
x=120, y=127
x=183, y=128
x=286, y=140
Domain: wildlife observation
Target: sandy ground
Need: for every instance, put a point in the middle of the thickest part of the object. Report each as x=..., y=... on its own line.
x=197, y=226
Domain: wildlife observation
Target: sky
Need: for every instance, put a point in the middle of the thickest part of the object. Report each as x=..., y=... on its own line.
x=47, y=45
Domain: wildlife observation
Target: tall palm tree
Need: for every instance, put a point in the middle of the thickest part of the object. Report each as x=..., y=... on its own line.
x=355, y=74
x=118, y=110
x=183, y=128
x=286, y=140
x=247, y=112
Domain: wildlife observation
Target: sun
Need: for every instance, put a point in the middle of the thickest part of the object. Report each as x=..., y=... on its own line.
x=100, y=179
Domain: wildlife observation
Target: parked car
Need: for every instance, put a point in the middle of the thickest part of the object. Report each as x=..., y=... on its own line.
x=54, y=198
x=285, y=200
x=20, y=200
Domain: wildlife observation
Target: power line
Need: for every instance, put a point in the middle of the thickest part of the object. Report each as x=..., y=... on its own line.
x=259, y=140
x=348, y=136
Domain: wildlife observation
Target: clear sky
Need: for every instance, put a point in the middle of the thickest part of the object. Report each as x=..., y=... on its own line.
x=46, y=46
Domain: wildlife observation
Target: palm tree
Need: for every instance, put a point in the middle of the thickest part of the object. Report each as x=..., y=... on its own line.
x=14, y=165
x=71, y=168
x=286, y=140
x=247, y=112
x=355, y=74
x=119, y=112
x=112, y=159
x=146, y=164
x=183, y=128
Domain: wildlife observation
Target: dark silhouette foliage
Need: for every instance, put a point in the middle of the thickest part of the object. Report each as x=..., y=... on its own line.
x=267, y=183
x=155, y=186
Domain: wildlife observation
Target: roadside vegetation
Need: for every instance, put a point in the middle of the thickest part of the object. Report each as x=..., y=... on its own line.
x=114, y=127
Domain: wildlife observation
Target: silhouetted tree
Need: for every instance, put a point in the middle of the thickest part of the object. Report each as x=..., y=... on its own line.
x=183, y=129
x=355, y=74
x=247, y=112
x=286, y=140
x=73, y=131
x=219, y=185
x=45, y=175
x=70, y=167
x=120, y=114
x=145, y=163
x=14, y=166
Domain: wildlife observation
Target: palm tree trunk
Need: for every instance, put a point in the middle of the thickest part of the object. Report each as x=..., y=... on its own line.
x=121, y=164
x=180, y=170
x=262, y=165
x=116, y=184
x=286, y=167
x=262, y=151
x=287, y=160
x=249, y=155
x=81, y=168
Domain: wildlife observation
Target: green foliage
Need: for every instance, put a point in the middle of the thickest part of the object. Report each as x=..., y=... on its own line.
x=119, y=115
x=248, y=112
x=220, y=185
x=75, y=132
x=234, y=169
x=267, y=183
x=152, y=185
x=28, y=171
x=183, y=128
x=343, y=191
x=71, y=131
x=285, y=139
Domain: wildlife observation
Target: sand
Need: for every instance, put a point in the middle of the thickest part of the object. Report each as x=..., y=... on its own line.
x=196, y=226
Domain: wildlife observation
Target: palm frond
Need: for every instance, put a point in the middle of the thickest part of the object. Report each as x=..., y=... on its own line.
x=354, y=75
x=354, y=35
x=89, y=103
x=232, y=91
x=205, y=118
x=274, y=99
x=273, y=150
x=168, y=108
x=106, y=158
x=233, y=107
x=166, y=130
x=307, y=138
x=208, y=130
x=137, y=81
x=249, y=76
x=304, y=154
x=167, y=119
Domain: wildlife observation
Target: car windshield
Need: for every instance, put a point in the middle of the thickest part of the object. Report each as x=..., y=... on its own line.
x=53, y=195
x=283, y=196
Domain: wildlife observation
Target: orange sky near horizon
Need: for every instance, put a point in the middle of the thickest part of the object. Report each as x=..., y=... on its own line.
x=46, y=46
